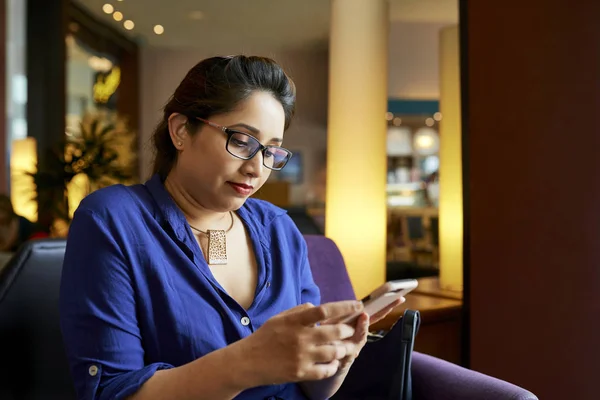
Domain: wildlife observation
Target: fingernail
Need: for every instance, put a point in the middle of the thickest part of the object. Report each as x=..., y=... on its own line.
x=358, y=305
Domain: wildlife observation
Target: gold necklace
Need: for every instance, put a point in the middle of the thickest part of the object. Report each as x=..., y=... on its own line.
x=217, y=243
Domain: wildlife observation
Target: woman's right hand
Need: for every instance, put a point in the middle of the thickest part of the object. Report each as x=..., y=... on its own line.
x=292, y=347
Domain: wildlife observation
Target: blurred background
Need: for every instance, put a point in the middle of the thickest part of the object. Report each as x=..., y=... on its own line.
x=451, y=141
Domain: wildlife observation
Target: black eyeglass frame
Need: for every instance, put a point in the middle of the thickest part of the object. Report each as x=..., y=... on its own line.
x=262, y=148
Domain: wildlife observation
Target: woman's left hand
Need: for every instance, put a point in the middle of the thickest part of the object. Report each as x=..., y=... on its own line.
x=355, y=344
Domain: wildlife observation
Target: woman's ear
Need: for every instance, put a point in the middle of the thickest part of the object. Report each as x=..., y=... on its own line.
x=178, y=130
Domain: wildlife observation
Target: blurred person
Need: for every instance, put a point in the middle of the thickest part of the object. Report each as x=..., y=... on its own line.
x=186, y=288
x=16, y=229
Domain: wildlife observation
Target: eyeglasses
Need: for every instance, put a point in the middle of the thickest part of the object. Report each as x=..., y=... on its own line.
x=245, y=146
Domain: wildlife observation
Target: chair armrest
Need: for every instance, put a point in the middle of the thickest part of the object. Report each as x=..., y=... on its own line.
x=436, y=379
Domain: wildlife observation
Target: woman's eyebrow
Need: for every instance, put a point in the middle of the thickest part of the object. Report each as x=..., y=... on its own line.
x=254, y=130
x=242, y=125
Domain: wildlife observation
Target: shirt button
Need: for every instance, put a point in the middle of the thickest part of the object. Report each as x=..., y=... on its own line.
x=93, y=370
x=245, y=321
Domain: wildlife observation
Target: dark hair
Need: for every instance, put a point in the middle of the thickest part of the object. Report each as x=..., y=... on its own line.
x=215, y=86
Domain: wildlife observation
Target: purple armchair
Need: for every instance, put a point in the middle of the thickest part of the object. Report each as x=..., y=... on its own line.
x=373, y=374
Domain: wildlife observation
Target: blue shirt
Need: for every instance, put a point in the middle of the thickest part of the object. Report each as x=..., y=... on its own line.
x=137, y=295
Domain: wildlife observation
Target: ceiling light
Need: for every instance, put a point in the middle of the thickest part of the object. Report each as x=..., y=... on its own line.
x=196, y=15
x=100, y=64
x=429, y=122
x=426, y=141
x=108, y=8
x=129, y=25
x=159, y=29
x=118, y=15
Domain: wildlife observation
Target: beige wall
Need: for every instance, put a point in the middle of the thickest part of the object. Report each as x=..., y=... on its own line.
x=414, y=60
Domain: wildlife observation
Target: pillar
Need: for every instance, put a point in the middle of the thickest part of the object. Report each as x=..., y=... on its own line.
x=356, y=210
x=533, y=132
x=46, y=87
x=451, y=196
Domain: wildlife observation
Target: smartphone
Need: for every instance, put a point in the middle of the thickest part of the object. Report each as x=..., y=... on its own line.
x=385, y=295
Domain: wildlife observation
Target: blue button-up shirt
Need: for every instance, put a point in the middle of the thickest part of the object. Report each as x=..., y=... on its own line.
x=137, y=295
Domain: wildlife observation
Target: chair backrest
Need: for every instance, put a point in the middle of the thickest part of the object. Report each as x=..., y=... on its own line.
x=304, y=221
x=329, y=270
x=34, y=364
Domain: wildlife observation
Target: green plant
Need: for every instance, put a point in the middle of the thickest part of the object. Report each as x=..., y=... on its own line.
x=102, y=150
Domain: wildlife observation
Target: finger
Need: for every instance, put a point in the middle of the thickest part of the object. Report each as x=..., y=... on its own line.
x=328, y=311
x=378, y=316
x=355, y=344
x=322, y=371
x=329, y=352
x=296, y=309
x=352, y=348
x=362, y=326
x=361, y=332
x=331, y=333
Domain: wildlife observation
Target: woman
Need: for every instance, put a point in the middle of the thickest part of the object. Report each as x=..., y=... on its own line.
x=184, y=288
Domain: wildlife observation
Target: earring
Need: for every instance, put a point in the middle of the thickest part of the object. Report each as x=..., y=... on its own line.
x=179, y=143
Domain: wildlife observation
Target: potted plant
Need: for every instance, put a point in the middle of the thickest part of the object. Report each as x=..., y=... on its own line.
x=102, y=150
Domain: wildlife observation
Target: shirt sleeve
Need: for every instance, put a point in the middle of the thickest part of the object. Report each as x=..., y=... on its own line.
x=309, y=291
x=98, y=313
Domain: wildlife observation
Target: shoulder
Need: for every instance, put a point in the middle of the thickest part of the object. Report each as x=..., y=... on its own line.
x=270, y=218
x=110, y=220
x=116, y=205
x=262, y=212
x=275, y=225
x=113, y=199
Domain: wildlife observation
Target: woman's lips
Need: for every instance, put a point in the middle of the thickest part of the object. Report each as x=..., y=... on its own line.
x=241, y=188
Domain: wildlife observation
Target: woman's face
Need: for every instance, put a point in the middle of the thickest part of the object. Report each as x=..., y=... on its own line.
x=213, y=177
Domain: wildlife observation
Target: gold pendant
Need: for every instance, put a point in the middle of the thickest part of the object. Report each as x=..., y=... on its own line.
x=217, y=247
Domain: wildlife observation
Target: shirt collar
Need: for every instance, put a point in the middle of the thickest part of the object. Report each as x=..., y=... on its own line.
x=168, y=209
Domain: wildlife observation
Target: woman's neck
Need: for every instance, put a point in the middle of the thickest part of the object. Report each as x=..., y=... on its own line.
x=197, y=215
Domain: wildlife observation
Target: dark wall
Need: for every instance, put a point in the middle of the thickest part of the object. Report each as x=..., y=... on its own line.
x=532, y=133
x=46, y=56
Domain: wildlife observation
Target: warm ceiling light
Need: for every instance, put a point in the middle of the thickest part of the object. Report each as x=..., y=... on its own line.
x=108, y=8
x=118, y=15
x=129, y=25
x=159, y=29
